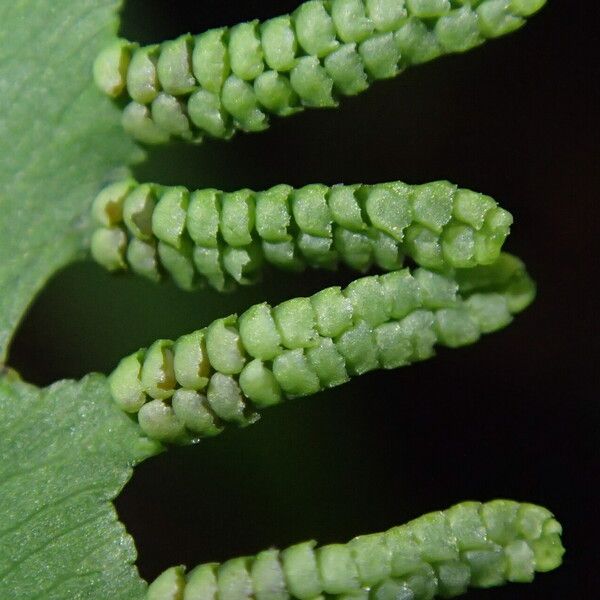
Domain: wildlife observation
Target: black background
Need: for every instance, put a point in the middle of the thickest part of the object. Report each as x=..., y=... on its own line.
x=514, y=416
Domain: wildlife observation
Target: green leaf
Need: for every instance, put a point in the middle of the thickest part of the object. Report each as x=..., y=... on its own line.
x=67, y=451
x=59, y=138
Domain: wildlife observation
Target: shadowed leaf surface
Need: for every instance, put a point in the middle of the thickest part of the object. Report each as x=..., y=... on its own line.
x=58, y=140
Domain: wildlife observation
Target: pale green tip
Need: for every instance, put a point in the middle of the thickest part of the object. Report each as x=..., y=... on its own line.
x=526, y=8
x=107, y=208
x=125, y=385
x=548, y=550
x=159, y=422
x=110, y=67
x=168, y=586
x=108, y=247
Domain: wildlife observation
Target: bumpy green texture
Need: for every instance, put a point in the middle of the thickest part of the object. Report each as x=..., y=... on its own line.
x=66, y=454
x=187, y=389
x=439, y=554
x=224, y=239
x=234, y=78
x=67, y=450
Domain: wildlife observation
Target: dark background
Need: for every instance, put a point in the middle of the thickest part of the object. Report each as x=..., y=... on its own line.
x=514, y=416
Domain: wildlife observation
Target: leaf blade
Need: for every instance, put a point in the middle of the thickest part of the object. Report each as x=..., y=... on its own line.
x=70, y=455
x=59, y=138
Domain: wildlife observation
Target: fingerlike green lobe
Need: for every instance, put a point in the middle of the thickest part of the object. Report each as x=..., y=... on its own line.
x=439, y=554
x=230, y=79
